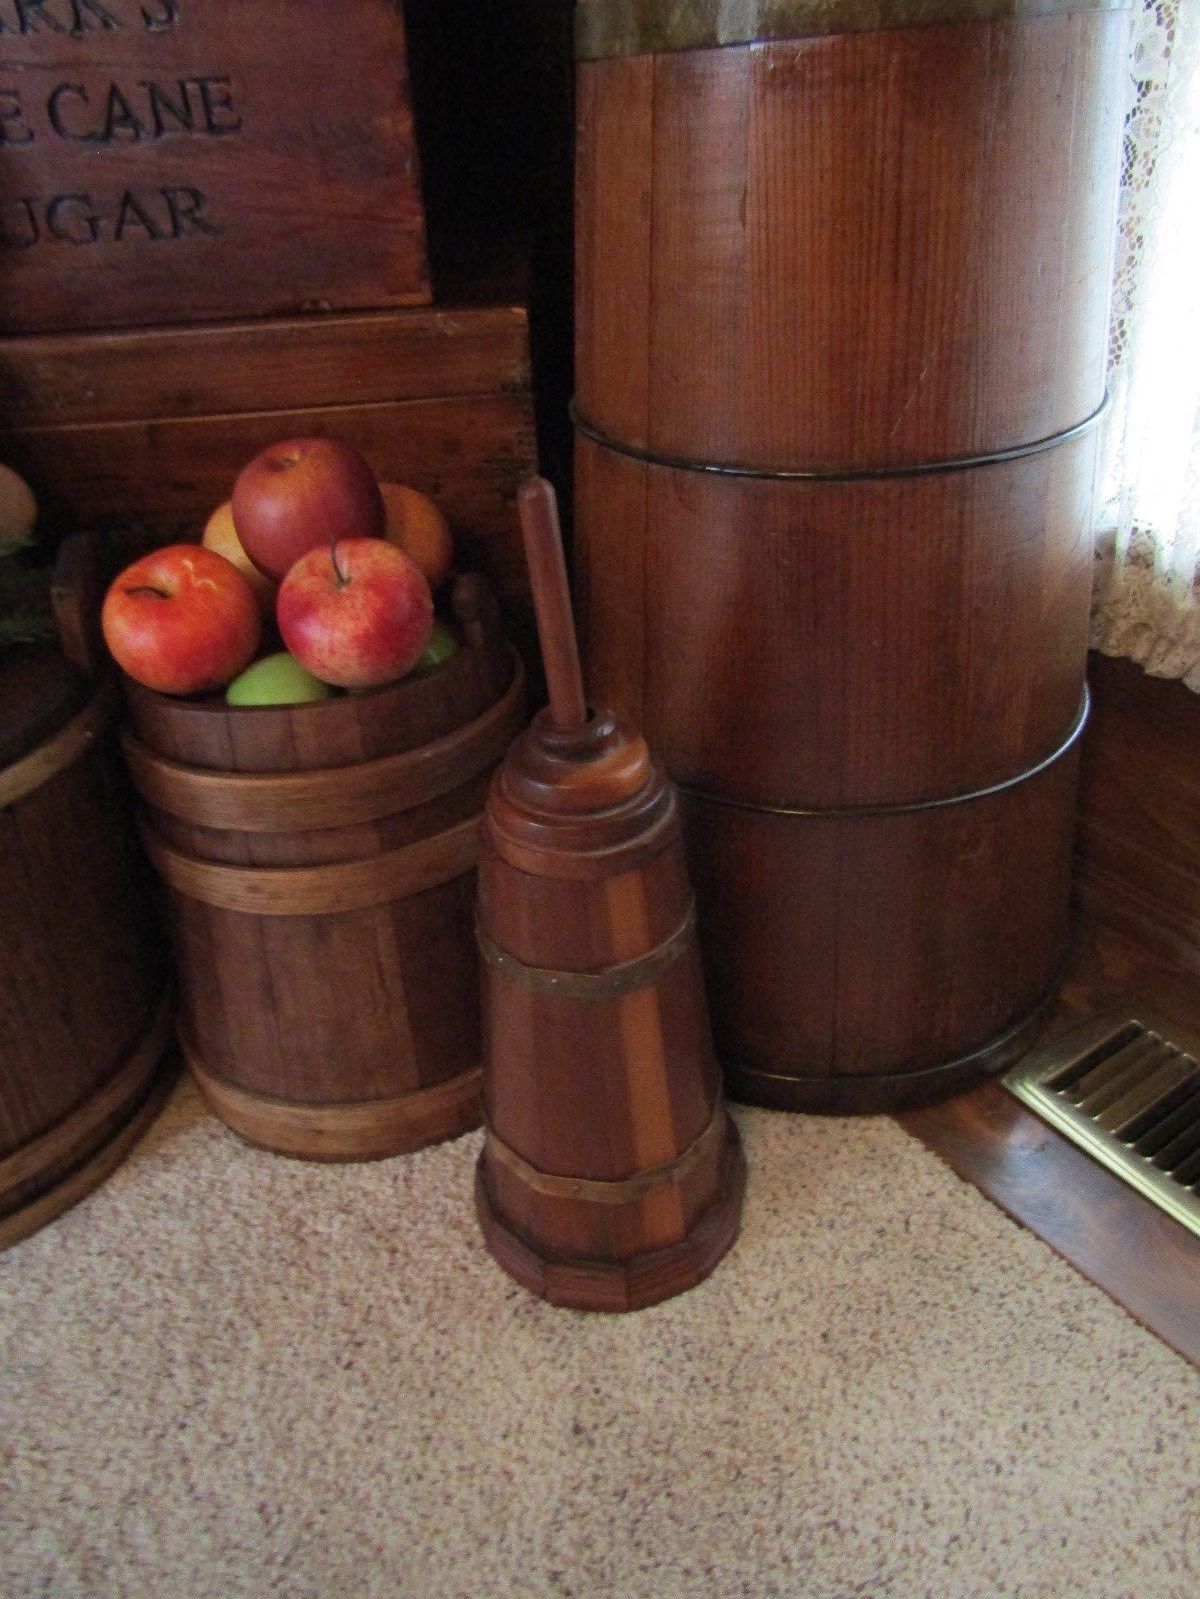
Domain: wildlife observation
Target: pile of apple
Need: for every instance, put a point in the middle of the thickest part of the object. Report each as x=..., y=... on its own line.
x=311, y=547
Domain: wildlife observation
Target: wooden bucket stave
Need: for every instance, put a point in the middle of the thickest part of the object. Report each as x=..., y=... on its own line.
x=840, y=364
x=843, y=644
x=84, y=1018
x=850, y=251
x=327, y=814
x=862, y=962
x=329, y=982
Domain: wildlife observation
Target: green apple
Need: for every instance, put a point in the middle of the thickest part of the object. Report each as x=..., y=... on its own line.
x=442, y=647
x=277, y=679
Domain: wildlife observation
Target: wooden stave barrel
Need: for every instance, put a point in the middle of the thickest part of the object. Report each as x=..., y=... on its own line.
x=705, y=174
x=611, y=1176
x=960, y=918
x=84, y=1073
x=328, y=878
x=686, y=437
x=852, y=572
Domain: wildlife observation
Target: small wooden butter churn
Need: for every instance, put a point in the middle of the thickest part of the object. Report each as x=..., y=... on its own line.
x=611, y=1176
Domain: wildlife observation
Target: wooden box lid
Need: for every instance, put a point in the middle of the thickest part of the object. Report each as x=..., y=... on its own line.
x=171, y=160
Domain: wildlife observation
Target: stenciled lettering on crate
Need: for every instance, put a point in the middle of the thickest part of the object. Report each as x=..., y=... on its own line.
x=169, y=160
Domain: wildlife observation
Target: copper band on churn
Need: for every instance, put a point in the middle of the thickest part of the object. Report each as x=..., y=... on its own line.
x=623, y=977
x=613, y=1190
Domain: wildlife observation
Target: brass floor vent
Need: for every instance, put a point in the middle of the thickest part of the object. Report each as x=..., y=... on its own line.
x=1129, y=1094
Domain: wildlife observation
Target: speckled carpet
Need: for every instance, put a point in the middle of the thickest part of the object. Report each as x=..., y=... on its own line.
x=227, y=1374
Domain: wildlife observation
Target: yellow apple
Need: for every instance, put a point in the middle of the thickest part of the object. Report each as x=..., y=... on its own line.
x=221, y=535
x=417, y=527
x=18, y=508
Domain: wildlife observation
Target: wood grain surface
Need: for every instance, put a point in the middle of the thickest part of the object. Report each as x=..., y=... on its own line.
x=108, y=1144
x=325, y=890
x=60, y=749
x=139, y=434
x=82, y=976
x=1138, y=858
x=182, y=159
x=545, y=558
x=849, y=251
x=586, y=1086
x=848, y=958
x=328, y=797
x=264, y=364
x=839, y=644
x=40, y=691
x=1136, y=942
x=371, y=1130
x=853, y=256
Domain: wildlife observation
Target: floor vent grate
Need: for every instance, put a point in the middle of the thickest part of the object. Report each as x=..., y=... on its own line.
x=1128, y=1093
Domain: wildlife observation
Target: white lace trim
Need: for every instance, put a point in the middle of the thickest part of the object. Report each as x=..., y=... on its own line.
x=1147, y=594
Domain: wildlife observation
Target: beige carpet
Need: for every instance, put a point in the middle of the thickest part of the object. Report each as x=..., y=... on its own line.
x=227, y=1374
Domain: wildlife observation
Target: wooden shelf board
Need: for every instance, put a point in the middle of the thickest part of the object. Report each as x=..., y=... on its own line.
x=222, y=368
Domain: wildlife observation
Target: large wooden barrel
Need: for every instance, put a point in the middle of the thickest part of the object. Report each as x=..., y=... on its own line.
x=84, y=1022
x=843, y=284
x=320, y=865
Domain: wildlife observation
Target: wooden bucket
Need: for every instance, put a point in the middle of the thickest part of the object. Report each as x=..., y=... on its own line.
x=320, y=865
x=611, y=1176
x=84, y=1022
x=842, y=297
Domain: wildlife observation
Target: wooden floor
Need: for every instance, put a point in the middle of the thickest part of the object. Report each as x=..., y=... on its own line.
x=1120, y=1241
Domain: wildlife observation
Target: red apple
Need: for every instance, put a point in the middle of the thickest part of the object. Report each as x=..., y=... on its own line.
x=301, y=494
x=357, y=613
x=182, y=620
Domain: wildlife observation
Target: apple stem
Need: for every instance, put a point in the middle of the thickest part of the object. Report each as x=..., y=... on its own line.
x=148, y=588
x=342, y=577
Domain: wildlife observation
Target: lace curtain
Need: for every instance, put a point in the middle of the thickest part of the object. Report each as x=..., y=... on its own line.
x=1147, y=596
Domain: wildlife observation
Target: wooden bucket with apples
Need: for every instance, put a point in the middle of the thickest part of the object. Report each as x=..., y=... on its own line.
x=319, y=861
x=312, y=811
x=84, y=1019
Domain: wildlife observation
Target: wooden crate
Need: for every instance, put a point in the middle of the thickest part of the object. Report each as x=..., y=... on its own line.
x=141, y=433
x=177, y=160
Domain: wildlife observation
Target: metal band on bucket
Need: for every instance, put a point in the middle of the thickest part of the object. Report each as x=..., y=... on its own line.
x=841, y=474
x=854, y=813
x=608, y=28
